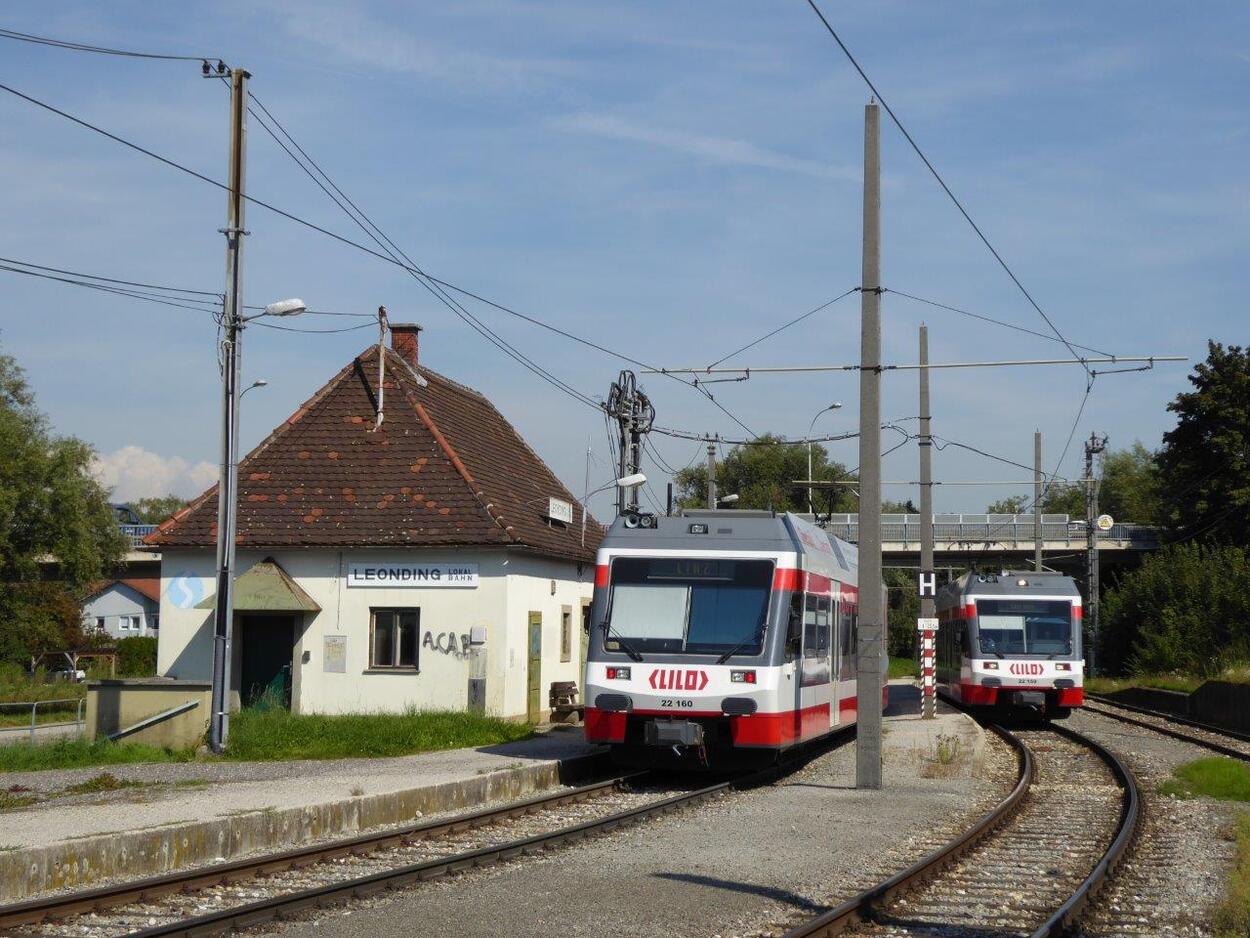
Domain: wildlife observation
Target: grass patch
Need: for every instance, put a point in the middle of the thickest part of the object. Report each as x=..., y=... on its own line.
x=105, y=781
x=904, y=667
x=276, y=734
x=79, y=753
x=1232, y=915
x=1215, y=777
x=10, y=800
x=1172, y=680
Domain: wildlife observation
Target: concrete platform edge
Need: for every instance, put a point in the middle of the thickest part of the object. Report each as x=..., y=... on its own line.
x=138, y=853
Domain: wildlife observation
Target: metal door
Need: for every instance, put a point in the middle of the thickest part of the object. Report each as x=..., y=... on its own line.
x=533, y=684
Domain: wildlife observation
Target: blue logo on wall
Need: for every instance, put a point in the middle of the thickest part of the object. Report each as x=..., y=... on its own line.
x=185, y=590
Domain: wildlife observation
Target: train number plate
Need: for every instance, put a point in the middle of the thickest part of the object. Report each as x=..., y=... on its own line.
x=675, y=703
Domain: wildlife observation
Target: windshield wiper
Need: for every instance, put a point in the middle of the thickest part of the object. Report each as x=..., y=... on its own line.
x=733, y=651
x=610, y=632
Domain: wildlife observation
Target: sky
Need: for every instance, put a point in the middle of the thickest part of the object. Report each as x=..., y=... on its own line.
x=670, y=181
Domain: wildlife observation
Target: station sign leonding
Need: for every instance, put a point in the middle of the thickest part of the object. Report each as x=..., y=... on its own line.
x=375, y=575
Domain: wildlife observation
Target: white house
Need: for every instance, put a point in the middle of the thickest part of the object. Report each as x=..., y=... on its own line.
x=123, y=608
x=431, y=560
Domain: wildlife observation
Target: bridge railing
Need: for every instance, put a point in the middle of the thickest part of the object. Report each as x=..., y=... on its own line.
x=993, y=529
x=135, y=533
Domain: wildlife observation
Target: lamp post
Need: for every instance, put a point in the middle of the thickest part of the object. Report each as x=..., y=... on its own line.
x=624, y=482
x=258, y=383
x=836, y=405
x=227, y=505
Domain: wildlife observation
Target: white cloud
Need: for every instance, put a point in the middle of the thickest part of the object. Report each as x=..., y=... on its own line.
x=134, y=472
x=716, y=149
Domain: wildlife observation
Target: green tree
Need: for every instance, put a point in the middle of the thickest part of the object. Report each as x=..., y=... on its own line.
x=50, y=506
x=902, y=610
x=1204, y=465
x=764, y=474
x=1011, y=505
x=1186, y=608
x=1130, y=485
x=154, y=510
x=899, y=508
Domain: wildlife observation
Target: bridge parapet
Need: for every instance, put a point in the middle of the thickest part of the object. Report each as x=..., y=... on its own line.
x=1005, y=532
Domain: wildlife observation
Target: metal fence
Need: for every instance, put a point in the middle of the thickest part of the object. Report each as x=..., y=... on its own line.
x=1014, y=530
x=7, y=732
x=135, y=533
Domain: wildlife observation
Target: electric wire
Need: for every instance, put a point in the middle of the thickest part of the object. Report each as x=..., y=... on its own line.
x=129, y=283
x=942, y=182
x=782, y=328
x=997, y=322
x=100, y=50
x=272, y=325
x=117, y=291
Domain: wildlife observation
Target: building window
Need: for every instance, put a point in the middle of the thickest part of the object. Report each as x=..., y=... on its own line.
x=566, y=633
x=154, y=621
x=99, y=623
x=393, y=638
x=128, y=623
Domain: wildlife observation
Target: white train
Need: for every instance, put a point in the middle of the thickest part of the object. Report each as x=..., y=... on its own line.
x=720, y=638
x=1011, y=641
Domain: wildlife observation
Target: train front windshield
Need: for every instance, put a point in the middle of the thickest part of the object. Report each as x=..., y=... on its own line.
x=1024, y=627
x=688, y=605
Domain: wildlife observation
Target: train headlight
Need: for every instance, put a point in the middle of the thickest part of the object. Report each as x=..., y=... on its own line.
x=1063, y=666
x=618, y=674
x=742, y=677
x=990, y=665
x=1022, y=582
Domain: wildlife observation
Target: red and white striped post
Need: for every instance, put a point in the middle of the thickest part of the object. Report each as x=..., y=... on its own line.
x=928, y=676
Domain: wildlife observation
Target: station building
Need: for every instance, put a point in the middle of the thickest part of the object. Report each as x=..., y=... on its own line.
x=430, y=560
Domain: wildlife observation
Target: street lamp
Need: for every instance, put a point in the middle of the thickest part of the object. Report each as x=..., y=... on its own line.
x=836, y=405
x=728, y=499
x=625, y=482
x=227, y=505
x=258, y=383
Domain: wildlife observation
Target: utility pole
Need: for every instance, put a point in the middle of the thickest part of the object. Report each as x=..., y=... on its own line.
x=871, y=604
x=1093, y=446
x=227, y=486
x=711, y=475
x=928, y=577
x=1037, y=501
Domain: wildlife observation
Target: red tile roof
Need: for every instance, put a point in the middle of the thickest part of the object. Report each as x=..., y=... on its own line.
x=145, y=586
x=445, y=469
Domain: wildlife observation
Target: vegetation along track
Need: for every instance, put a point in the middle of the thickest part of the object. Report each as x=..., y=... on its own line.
x=1028, y=867
x=233, y=896
x=1225, y=742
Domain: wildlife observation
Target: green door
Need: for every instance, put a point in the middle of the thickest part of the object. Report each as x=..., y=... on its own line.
x=534, y=676
x=268, y=642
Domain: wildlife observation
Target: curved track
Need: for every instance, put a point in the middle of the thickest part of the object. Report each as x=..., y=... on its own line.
x=128, y=907
x=1070, y=817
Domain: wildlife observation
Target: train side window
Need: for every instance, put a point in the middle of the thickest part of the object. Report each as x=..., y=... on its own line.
x=823, y=625
x=810, y=618
x=845, y=628
x=794, y=631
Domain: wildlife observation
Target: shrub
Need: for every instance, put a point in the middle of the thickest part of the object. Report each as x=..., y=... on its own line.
x=1186, y=609
x=136, y=656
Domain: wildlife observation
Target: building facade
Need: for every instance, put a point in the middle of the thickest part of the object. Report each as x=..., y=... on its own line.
x=428, y=559
x=123, y=608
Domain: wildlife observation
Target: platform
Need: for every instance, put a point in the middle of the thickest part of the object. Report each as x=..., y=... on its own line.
x=170, y=815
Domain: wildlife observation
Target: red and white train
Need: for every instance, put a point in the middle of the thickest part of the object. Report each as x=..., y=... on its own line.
x=1012, y=642
x=720, y=638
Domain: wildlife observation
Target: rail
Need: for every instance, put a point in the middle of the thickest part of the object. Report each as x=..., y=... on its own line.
x=1214, y=745
x=1012, y=530
x=135, y=533
x=34, y=713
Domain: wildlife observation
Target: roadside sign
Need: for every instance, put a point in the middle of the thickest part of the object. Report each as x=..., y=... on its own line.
x=1105, y=522
x=926, y=625
x=927, y=583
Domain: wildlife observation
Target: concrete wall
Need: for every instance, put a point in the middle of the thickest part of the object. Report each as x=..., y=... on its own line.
x=115, y=704
x=510, y=585
x=120, y=600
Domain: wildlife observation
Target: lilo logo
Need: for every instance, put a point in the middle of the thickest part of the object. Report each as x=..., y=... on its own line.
x=185, y=590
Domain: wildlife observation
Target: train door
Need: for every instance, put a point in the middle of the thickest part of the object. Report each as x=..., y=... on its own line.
x=816, y=696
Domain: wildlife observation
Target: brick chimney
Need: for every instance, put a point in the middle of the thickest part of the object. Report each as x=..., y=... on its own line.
x=406, y=340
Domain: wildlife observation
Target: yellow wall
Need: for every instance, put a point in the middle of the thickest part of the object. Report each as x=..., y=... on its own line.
x=116, y=704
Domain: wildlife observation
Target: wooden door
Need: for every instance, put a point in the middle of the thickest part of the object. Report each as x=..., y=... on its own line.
x=533, y=684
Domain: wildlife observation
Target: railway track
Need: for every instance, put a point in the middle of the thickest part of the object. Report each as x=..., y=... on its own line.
x=1225, y=742
x=1028, y=867
x=234, y=896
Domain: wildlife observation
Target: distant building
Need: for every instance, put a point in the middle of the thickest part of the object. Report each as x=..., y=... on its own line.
x=124, y=608
x=431, y=561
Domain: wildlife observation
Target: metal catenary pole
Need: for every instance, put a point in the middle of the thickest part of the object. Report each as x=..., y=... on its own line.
x=1037, y=501
x=1093, y=446
x=227, y=499
x=711, y=475
x=928, y=577
x=871, y=604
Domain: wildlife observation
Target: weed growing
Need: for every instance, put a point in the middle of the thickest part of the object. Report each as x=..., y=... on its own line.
x=903, y=667
x=81, y=753
x=1232, y=915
